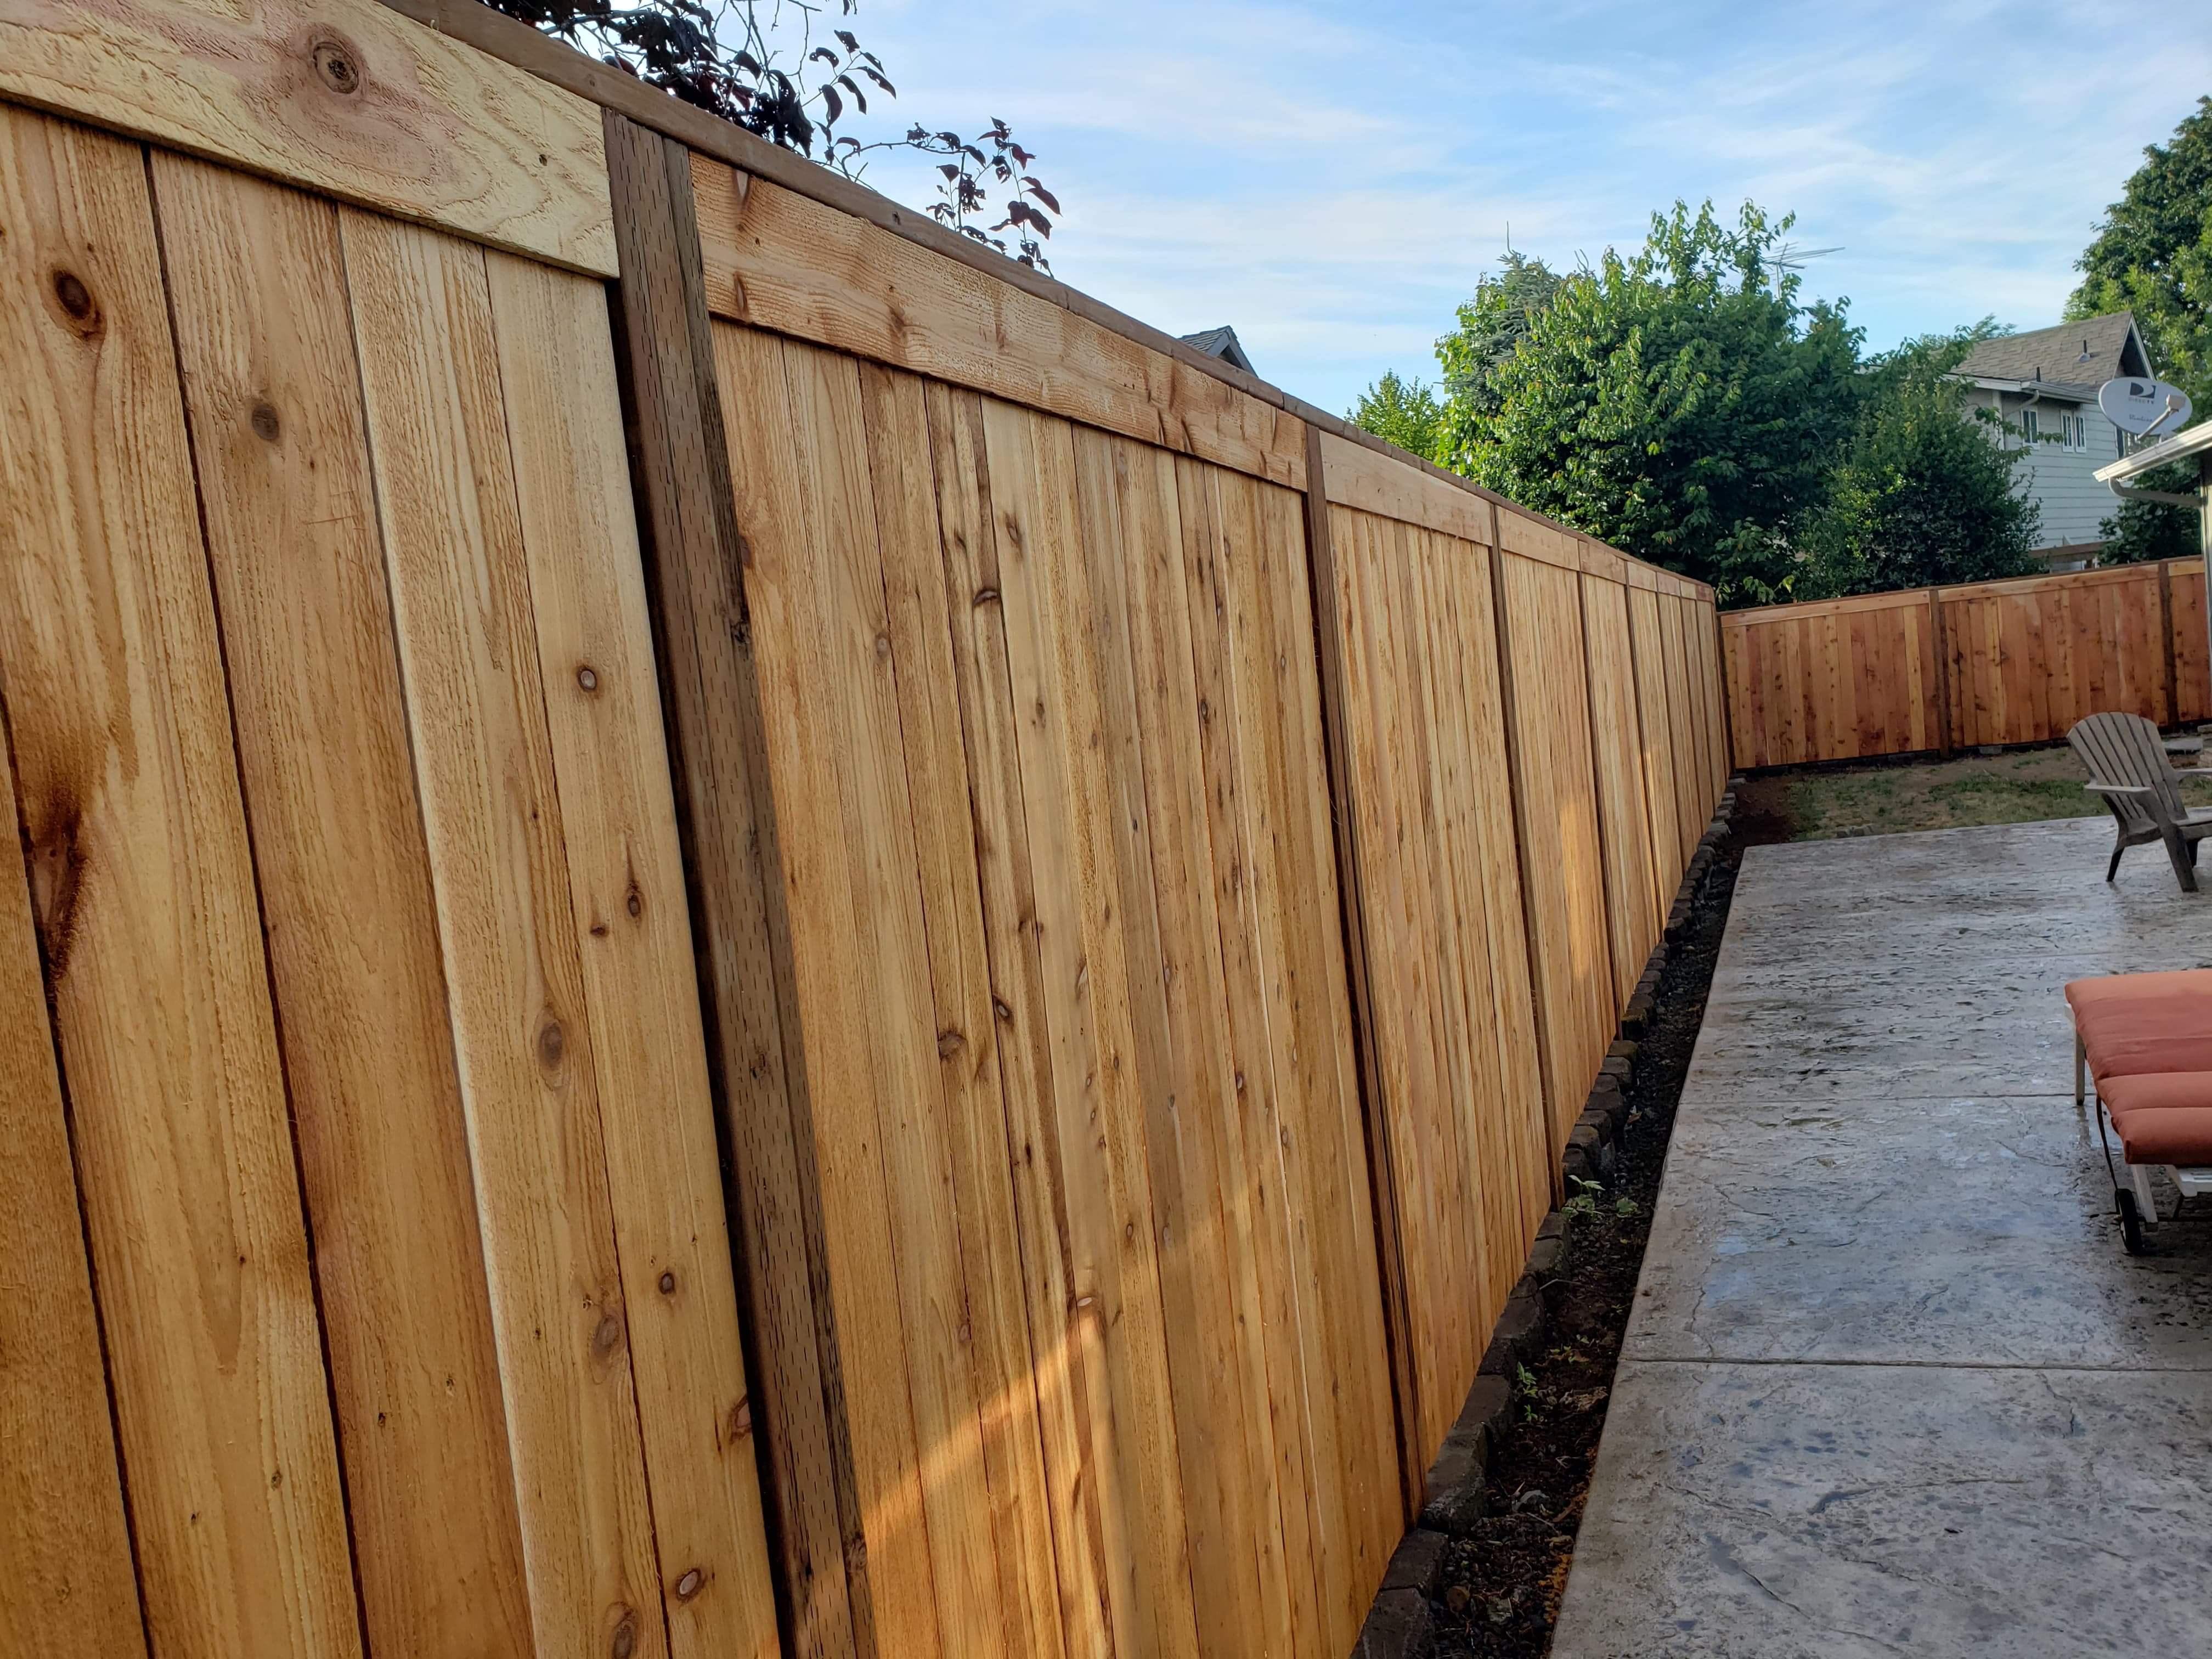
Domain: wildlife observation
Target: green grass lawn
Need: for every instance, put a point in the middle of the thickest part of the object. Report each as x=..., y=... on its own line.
x=1882, y=798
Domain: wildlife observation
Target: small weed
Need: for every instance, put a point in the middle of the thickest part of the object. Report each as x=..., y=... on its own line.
x=1627, y=1209
x=1582, y=1206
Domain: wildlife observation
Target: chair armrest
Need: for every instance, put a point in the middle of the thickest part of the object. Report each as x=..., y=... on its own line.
x=2096, y=788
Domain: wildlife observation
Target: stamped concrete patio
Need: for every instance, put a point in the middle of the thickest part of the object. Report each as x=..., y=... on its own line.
x=1891, y=1386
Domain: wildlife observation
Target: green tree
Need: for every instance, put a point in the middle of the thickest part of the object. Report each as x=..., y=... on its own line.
x=2140, y=532
x=2153, y=255
x=1919, y=495
x=1407, y=413
x=1681, y=403
x=1498, y=318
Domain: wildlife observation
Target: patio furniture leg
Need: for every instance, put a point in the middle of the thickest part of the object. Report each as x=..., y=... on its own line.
x=2178, y=852
x=2139, y=1174
x=2081, y=1071
x=2119, y=846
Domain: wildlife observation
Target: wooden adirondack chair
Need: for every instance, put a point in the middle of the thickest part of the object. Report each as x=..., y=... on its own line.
x=2129, y=769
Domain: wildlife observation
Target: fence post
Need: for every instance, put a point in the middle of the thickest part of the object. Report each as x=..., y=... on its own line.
x=1330, y=627
x=1727, y=701
x=726, y=816
x=2165, y=642
x=1942, y=650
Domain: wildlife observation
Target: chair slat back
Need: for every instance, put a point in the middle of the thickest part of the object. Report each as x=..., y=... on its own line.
x=2126, y=748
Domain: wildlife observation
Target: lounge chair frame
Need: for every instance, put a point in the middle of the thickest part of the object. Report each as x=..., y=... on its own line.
x=2136, y=1200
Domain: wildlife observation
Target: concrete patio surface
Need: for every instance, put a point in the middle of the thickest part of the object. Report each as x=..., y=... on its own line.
x=1891, y=1386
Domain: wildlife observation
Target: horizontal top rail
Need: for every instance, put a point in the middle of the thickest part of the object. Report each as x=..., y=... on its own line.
x=339, y=96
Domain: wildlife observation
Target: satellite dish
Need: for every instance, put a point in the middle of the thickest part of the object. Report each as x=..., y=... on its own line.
x=2135, y=403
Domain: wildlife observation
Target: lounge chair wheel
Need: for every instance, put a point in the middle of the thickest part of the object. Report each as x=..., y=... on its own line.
x=2131, y=1231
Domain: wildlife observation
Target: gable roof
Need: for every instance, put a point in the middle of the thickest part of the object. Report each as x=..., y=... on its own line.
x=1222, y=342
x=2071, y=356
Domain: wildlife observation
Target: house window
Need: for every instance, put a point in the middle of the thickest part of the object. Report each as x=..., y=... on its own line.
x=2028, y=430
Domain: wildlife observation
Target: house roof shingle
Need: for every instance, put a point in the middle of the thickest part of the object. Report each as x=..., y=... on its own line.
x=1222, y=342
x=2086, y=353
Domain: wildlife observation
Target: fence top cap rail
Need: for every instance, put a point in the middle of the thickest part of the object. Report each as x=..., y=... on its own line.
x=524, y=48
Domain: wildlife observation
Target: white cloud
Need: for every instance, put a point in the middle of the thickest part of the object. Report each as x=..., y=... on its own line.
x=1331, y=183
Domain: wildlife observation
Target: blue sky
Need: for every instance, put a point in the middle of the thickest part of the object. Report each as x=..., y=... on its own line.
x=1331, y=180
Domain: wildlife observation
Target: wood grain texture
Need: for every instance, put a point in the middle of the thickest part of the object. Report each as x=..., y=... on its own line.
x=2192, y=663
x=447, y=505
x=1253, y=588
x=778, y=260
x=142, y=885
x=67, y=1583
x=1632, y=904
x=1555, y=799
x=1681, y=723
x=1458, y=1059
x=1357, y=477
x=273, y=393
x=1114, y=1250
x=597, y=680
x=717, y=710
x=344, y=96
x=1655, y=752
x=2019, y=662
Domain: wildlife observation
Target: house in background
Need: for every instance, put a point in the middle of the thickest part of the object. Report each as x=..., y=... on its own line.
x=2043, y=385
x=1222, y=342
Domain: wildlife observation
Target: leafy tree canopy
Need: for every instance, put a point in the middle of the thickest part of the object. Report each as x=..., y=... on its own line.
x=1407, y=413
x=1919, y=495
x=2153, y=256
x=1680, y=401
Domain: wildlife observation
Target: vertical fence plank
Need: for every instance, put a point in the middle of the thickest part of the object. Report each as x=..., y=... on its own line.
x=1222, y=537
x=626, y=886
x=275, y=401
x=1623, y=817
x=452, y=525
x=1068, y=795
x=914, y=471
x=1335, y=619
x=1348, y=1400
x=141, y=887
x=1066, y=1374
x=67, y=1587
x=717, y=734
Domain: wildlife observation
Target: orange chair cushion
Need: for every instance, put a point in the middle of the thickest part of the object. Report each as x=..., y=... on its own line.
x=2162, y=1117
x=2136, y=1024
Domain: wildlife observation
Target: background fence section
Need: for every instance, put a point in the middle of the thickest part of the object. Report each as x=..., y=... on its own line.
x=740, y=933
x=1995, y=663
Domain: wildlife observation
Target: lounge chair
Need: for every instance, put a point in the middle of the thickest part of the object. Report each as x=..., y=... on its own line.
x=2129, y=769
x=2146, y=1040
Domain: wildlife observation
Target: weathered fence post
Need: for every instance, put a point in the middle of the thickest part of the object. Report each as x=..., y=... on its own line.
x=694, y=558
x=2165, y=640
x=1942, y=650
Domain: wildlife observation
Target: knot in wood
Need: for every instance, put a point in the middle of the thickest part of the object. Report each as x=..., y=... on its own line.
x=335, y=66
x=79, y=310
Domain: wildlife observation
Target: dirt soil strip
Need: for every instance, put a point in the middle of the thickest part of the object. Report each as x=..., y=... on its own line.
x=1500, y=1588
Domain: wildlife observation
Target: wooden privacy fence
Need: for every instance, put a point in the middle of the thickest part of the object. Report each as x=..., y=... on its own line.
x=1945, y=668
x=739, y=933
